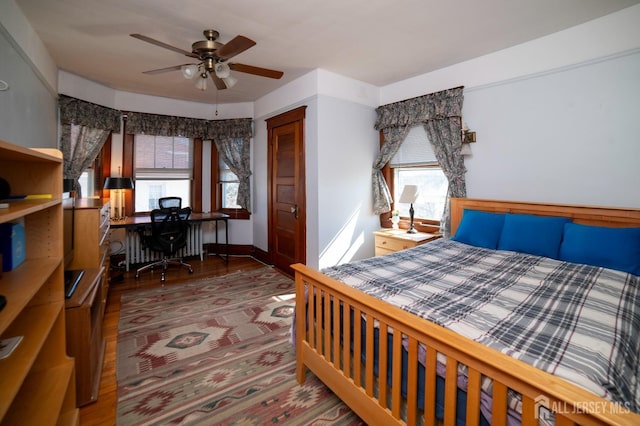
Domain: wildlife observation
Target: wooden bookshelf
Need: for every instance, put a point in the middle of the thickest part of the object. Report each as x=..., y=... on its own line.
x=37, y=381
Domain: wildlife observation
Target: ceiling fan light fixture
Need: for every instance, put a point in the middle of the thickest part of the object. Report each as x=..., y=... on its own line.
x=230, y=81
x=222, y=70
x=189, y=71
x=201, y=82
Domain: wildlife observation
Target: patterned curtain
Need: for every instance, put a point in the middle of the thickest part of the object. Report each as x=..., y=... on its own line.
x=84, y=129
x=446, y=138
x=393, y=137
x=165, y=125
x=82, y=113
x=80, y=146
x=233, y=128
x=441, y=114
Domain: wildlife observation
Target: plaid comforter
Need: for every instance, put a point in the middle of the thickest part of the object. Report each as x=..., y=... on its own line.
x=578, y=322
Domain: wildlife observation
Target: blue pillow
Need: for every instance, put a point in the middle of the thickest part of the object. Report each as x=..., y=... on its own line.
x=539, y=235
x=613, y=248
x=480, y=229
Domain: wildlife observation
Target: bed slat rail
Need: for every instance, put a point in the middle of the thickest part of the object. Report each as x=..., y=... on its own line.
x=324, y=324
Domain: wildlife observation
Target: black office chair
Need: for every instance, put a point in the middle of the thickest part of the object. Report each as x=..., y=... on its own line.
x=168, y=202
x=169, y=229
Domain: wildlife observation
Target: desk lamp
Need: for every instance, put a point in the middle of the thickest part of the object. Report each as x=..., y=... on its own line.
x=410, y=195
x=117, y=186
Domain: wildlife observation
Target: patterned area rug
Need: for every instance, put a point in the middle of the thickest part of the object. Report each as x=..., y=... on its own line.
x=217, y=352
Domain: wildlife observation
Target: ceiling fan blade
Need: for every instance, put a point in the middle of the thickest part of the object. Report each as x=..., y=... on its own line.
x=163, y=70
x=217, y=81
x=236, y=46
x=165, y=45
x=250, y=69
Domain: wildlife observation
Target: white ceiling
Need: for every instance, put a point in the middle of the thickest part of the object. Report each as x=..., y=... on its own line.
x=374, y=41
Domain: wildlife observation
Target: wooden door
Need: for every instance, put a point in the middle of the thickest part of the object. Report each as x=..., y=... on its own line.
x=287, y=217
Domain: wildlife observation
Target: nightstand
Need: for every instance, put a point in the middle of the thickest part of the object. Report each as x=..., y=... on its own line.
x=392, y=240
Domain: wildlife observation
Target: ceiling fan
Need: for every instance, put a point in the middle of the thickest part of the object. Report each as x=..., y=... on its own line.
x=212, y=56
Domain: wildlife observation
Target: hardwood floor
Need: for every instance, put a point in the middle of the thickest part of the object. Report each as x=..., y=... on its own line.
x=103, y=411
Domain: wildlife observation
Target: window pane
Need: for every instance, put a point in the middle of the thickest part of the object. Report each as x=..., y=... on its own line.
x=182, y=153
x=230, y=195
x=86, y=183
x=145, y=148
x=164, y=153
x=163, y=169
x=229, y=185
x=432, y=187
x=148, y=192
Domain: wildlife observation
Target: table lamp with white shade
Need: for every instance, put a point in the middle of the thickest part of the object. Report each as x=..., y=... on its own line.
x=409, y=195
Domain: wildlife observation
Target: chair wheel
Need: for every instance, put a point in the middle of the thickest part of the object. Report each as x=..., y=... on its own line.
x=137, y=276
x=190, y=270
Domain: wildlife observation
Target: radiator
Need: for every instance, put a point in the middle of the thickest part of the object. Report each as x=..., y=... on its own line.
x=136, y=253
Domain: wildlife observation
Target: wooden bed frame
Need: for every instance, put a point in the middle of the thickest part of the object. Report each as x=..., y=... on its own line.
x=377, y=403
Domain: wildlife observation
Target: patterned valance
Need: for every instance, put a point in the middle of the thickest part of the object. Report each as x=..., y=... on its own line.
x=233, y=128
x=83, y=113
x=166, y=125
x=419, y=110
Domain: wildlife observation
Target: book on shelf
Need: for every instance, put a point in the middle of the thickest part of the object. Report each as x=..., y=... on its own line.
x=8, y=345
x=30, y=197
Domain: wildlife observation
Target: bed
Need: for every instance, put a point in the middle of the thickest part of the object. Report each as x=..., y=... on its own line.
x=393, y=360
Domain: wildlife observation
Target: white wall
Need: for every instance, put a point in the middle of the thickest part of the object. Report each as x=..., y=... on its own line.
x=340, y=146
x=570, y=136
x=612, y=34
x=13, y=22
x=348, y=145
x=556, y=118
x=30, y=74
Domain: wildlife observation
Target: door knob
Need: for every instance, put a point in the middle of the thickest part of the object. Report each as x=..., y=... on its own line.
x=294, y=210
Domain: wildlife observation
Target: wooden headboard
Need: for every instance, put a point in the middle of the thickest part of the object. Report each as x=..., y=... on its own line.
x=587, y=215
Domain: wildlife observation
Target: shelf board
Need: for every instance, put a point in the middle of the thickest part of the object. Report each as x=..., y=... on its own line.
x=37, y=323
x=21, y=284
x=41, y=396
x=20, y=208
x=11, y=152
x=69, y=417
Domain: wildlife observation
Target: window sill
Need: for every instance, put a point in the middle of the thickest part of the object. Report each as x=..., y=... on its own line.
x=236, y=213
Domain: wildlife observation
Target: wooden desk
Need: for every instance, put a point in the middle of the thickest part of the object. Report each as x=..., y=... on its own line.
x=135, y=222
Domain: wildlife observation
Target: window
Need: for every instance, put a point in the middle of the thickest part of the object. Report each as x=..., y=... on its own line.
x=163, y=166
x=86, y=181
x=416, y=164
x=92, y=178
x=228, y=186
